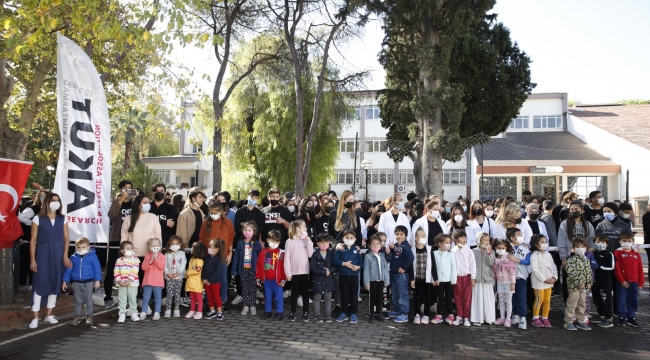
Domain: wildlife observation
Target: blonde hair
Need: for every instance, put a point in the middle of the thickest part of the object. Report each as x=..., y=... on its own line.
x=339, y=224
x=509, y=213
x=293, y=228
x=81, y=241
x=152, y=240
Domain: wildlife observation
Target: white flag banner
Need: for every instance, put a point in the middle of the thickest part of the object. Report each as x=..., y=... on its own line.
x=83, y=175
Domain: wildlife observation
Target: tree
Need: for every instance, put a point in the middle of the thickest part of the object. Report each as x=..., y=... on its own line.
x=451, y=73
x=142, y=178
x=128, y=126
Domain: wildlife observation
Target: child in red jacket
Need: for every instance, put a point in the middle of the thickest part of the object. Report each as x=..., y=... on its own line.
x=270, y=272
x=629, y=275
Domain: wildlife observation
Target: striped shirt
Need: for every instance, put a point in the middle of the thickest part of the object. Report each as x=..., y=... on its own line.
x=127, y=269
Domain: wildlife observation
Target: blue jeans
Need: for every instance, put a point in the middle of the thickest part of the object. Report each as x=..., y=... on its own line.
x=519, y=298
x=224, y=283
x=400, y=292
x=273, y=290
x=626, y=300
x=146, y=296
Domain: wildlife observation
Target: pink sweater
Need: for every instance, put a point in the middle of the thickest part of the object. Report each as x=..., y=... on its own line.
x=505, y=270
x=296, y=256
x=153, y=273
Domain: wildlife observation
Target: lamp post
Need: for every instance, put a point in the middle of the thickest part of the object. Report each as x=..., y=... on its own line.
x=50, y=168
x=197, y=167
x=366, y=165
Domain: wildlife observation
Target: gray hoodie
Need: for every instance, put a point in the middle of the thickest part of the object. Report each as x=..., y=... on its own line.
x=564, y=239
x=179, y=260
x=613, y=231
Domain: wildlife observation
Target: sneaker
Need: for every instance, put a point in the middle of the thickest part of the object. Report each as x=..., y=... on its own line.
x=380, y=318
x=260, y=295
x=211, y=315
x=394, y=314
x=121, y=318
x=33, y=324
x=128, y=313
x=236, y=300
x=300, y=301
x=507, y=323
x=353, y=319
x=253, y=311
x=318, y=319
x=305, y=317
x=537, y=323
x=570, y=326
x=458, y=321
x=450, y=319
x=89, y=320
x=371, y=319
x=219, y=316
x=168, y=313
x=595, y=319
x=245, y=310
x=286, y=294
x=198, y=316
x=278, y=317
x=149, y=312
x=437, y=319
x=606, y=323
x=156, y=316
x=328, y=319
x=177, y=313
x=522, y=324
x=135, y=317
x=108, y=304
x=476, y=323
x=77, y=320
x=546, y=323
x=51, y=320
x=466, y=323
x=622, y=321
x=190, y=314
x=425, y=320
x=416, y=320
x=384, y=314
x=292, y=317
x=583, y=326
x=267, y=315
x=500, y=321
x=143, y=315
x=342, y=318
x=633, y=323
x=401, y=319
x=514, y=319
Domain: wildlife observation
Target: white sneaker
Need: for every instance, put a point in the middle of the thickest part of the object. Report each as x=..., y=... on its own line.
x=143, y=315
x=128, y=313
x=121, y=318
x=467, y=323
x=33, y=324
x=149, y=312
x=245, y=310
x=260, y=295
x=156, y=316
x=177, y=313
x=236, y=300
x=286, y=294
x=311, y=301
x=135, y=317
x=253, y=311
x=300, y=301
x=51, y=320
x=168, y=313
x=458, y=321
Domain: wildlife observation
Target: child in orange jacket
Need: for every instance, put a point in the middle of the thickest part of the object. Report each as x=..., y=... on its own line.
x=153, y=266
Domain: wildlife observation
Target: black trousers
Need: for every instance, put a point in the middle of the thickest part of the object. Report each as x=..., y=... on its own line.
x=602, y=295
x=300, y=286
x=445, y=296
x=376, y=297
x=349, y=285
x=113, y=255
x=557, y=287
x=421, y=295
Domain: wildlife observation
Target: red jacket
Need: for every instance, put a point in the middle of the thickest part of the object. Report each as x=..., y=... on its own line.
x=270, y=265
x=628, y=267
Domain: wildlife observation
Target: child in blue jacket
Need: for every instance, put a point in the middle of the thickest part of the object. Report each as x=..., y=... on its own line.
x=85, y=275
x=349, y=263
x=322, y=267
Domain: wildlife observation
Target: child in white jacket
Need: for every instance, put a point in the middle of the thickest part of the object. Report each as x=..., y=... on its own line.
x=544, y=275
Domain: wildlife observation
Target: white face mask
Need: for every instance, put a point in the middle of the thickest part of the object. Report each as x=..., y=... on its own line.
x=155, y=249
x=215, y=216
x=174, y=247
x=626, y=245
x=580, y=251
x=348, y=243
x=82, y=252
x=625, y=216
x=483, y=246
x=129, y=253
x=434, y=214
x=489, y=213
x=601, y=246
x=422, y=241
x=458, y=218
x=273, y=245
x=501, y=252
x=146, y=208
x=520, y=240
x=601, y=201
x=291, y=208
x=543, y=246
x=55, y=205
x=446, y=247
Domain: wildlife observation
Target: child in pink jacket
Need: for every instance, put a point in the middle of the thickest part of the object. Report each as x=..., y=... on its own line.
x=153, y=266
x=505, y=272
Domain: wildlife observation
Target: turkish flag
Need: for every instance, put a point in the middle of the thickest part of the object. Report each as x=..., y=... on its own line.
x=13, y=177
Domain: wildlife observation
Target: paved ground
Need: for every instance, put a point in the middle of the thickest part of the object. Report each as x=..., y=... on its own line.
x=239, y=337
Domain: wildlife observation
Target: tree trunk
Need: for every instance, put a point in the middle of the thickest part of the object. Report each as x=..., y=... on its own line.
x=128, y=147
x=7, y=280
x=217, y=176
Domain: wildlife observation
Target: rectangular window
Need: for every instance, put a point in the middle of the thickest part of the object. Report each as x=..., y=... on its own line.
x=163, y=175
x=499, y=187
x=354, y=114
x=372, y=112
x=520, y=122
x=583, y=185
x=453, y=177
x=547, y=122
x=196, y=148
x=406, y=177
x=346, y=145
x=376, y=145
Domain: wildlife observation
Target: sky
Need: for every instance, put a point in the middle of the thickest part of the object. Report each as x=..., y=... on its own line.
x=595, y=50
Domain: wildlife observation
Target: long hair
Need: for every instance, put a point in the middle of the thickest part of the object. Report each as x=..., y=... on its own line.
x=219, y=244
x=352, y=216
x=571, y=222
x=177, y=202
x=208, y=221
x=470, y=209
x=374, y=218
x=294, y=226
x=323, y=208
x=302, y=208
x=252, y=225
x=135, y=211
x=46, y=205
x=463, y=224
x=506, y=243
x=506, y=214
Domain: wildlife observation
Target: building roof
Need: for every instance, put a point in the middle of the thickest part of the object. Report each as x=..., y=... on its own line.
x=538, y=146
x=631, y=122
x=170, y=159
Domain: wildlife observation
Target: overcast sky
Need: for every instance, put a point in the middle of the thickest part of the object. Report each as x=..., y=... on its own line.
x=595, y=50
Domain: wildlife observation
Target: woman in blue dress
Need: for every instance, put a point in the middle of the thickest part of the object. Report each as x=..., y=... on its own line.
x=49, y=254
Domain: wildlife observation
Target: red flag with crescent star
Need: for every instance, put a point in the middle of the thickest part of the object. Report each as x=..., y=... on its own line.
x=13, y=177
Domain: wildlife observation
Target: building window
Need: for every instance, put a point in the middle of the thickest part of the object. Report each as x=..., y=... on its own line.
x=520, y=122
x=453, y=177
x=406, y=177
x=164, y=175
x=354, y=114
x=346, y=176
x=499, y=187
x=196, y=148
x=372, y=112
x=346, y=145
x=376, y=145
x=547, y=122
x=583, y=185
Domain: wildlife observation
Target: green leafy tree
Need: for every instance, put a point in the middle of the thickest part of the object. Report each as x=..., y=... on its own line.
x=142, y=177
x=129, y=126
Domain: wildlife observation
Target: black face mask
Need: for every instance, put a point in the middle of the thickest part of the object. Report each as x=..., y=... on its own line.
x=533, y=217
x=358, y=211
x=158, y=196
x=310, y=209
x=274, y=202
x=478, y=211
x=168, y=201
x=349, y=204
x=329, y=209
x=575, y=214
x=518, y=221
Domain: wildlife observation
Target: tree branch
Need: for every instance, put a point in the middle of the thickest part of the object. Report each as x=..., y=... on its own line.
x=45, y=102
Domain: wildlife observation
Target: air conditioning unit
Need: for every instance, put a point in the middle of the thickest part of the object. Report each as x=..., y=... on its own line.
x=401, y=188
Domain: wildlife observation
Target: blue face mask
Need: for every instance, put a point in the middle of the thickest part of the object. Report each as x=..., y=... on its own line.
x=609, y=216
x=400, y=205
x=464, y=208
x=252, y=202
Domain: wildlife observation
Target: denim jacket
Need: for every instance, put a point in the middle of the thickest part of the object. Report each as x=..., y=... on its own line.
x=371, y=269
